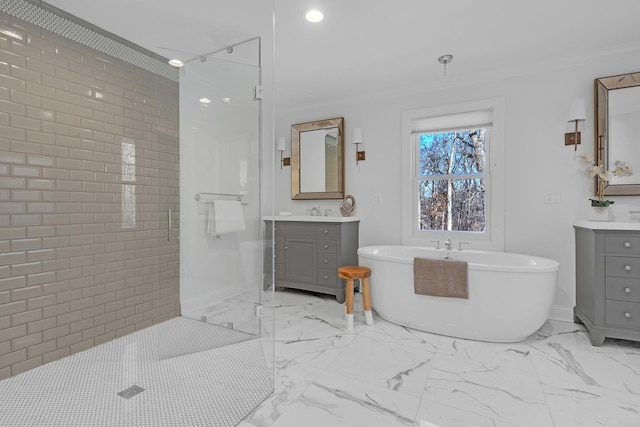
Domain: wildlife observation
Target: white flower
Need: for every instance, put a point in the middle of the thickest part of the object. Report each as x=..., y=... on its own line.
x=600, y=173
x=622, y=169
x=588, y=159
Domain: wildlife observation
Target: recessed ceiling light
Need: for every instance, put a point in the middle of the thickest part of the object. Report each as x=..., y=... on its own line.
x=176, y=63
x=313, y=15
x=205, y=100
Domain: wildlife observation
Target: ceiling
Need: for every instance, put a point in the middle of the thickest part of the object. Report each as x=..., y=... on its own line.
x=364, y=47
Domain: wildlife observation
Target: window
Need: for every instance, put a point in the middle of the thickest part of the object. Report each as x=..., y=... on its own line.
x=451, y=180
x=128, y=151
x=452, y=183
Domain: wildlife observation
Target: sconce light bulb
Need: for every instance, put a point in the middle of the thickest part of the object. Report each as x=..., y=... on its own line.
x=357, y=136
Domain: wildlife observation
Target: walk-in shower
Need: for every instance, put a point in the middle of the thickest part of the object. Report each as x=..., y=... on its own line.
x=131, y=239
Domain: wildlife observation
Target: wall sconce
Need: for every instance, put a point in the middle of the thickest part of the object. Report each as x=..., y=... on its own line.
x=281, y=146
x=357, y=139
x=577, y=113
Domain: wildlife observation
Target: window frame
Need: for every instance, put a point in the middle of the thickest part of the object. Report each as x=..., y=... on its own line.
x=493, y=236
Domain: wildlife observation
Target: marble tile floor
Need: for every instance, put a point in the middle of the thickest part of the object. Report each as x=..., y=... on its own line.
x=386, y=375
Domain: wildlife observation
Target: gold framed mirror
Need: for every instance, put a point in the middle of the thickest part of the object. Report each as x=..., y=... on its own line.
x=317, y=160
x=617, y=105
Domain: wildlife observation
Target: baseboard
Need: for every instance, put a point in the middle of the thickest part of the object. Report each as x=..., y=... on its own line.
x=562, y=314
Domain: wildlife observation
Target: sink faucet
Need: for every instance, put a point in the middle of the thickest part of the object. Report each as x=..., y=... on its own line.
x=447, y=244
x=315, y=211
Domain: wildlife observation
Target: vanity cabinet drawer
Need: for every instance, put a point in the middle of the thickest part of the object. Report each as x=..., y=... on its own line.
x=294, y=229
x=327, y=246
x=327, y=277
x=622, y=289
x=622, y=245
x=327, y=261
x=306, y=230
x=326, y=231
x=620, y=266
x=621, y=313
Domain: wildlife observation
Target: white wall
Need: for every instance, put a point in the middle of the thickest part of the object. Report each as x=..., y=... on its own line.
x=537, y=161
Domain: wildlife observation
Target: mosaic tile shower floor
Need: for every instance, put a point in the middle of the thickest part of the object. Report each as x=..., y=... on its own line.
x=188, y=369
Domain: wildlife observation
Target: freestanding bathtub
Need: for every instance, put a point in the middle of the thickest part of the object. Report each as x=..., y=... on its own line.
x=510, y=295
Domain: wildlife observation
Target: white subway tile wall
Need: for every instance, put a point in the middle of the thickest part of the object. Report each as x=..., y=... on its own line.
x=71, y=275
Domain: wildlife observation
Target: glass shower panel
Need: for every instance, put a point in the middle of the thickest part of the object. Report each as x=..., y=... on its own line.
x=220, y=215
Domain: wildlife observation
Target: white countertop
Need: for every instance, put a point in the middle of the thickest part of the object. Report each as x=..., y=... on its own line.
x=308, y=218
x=607, y=225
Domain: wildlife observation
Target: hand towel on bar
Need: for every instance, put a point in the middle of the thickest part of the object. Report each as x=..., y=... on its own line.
x=440, y=278
x=225, y=216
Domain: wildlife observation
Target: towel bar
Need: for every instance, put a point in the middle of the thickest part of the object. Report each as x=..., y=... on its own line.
x=237, y=196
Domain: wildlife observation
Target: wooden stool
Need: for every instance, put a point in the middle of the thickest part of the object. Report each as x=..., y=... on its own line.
x=351, y=272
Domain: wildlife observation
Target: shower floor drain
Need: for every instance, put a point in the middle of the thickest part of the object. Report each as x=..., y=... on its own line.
x=128, y=393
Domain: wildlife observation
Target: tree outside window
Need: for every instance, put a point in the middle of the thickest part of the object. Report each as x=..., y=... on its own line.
x=452, y=180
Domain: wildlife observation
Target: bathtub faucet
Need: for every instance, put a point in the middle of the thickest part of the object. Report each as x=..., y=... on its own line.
x=447, y=244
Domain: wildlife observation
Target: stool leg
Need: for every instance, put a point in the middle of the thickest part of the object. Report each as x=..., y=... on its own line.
x=366, y=293
x=349, y=304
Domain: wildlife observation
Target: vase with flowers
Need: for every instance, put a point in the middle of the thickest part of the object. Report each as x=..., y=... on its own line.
x=602, y=176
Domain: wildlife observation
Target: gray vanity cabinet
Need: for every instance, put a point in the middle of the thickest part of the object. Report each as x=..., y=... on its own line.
x=608, y=283
x=308, y=254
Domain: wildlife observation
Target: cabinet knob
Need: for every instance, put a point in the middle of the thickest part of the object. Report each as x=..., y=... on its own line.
x=286, y=247
x=627, y=290
x=326, y=231
x=627, y=315
x=627, y=267
x=275, y=270
x=326, y=261
x=275, y=256
x=326, y=246
x=627, y=244
x=326, y=277
x=275, y=228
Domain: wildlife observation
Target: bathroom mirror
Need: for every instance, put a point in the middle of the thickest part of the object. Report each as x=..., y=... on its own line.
x=617, y=126
x=317, y=160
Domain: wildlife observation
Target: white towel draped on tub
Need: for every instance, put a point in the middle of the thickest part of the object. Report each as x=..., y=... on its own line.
x=225, y=216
